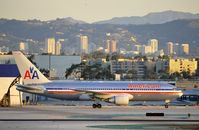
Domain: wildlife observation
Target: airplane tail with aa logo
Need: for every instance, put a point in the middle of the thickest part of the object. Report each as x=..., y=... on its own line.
x=28, y=71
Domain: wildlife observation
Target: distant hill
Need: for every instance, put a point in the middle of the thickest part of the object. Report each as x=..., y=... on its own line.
x=151, y=18
x=66, y=21
x=35, y=32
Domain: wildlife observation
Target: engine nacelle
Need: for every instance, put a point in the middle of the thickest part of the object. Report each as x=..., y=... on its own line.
x=120, y=100
x=84, y=97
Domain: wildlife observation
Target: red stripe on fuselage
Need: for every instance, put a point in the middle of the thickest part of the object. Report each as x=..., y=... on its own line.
x=115, y=92
x=63, y=92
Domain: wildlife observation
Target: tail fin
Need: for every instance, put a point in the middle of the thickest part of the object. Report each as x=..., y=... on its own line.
x=29, y=73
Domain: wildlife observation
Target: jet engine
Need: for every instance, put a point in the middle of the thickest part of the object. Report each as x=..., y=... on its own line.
x=84, y=97
x=120, y=100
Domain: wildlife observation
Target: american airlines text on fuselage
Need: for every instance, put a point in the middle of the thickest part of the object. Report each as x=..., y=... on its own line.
x=144, y=86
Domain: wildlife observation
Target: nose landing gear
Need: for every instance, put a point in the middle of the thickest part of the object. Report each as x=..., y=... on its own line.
x=166, y=105
x=98, y=105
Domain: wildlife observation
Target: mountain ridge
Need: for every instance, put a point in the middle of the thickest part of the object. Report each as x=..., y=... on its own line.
x=35, y=32
x=151, y=18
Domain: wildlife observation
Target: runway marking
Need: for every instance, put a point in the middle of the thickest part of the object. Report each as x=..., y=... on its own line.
x=148, y=126
x=112, y=120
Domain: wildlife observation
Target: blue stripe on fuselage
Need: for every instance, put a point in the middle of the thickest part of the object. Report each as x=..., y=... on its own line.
x=64, y=85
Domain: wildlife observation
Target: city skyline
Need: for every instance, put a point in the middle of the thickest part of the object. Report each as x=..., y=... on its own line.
x=90, y=10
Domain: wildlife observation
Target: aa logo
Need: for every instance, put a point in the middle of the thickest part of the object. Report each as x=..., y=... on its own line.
x=31, y=74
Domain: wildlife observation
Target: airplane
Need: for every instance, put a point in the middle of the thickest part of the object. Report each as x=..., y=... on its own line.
x=116, y=92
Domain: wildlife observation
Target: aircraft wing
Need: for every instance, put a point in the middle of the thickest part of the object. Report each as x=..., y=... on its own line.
x=122, y=99
x=95, y=94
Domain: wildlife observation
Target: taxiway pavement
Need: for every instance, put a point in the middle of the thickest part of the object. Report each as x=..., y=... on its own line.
x=85, y=117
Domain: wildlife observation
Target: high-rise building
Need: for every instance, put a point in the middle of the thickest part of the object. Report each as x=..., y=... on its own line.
x=58, y=48
x=146, y=49
x=50, y=46
x=154, y=45
x=176, y=49
x=84, y=44
x=108, y=42
x=23, y=47
x=170, y=48
x=185, y=49
x=111, y=46
x=108, y=45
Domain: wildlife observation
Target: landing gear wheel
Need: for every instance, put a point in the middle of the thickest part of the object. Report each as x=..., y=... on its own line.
x=94, y=105
x=99, y=106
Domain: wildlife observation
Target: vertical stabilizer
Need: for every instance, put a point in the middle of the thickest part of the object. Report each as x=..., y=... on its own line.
x=28, y=71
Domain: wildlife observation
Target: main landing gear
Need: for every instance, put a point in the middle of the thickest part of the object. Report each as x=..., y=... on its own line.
x=98, y=105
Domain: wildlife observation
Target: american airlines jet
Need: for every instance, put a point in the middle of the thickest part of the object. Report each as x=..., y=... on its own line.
x=117, y=92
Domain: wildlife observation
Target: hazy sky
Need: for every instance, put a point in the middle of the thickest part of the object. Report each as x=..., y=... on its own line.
x=90, y=10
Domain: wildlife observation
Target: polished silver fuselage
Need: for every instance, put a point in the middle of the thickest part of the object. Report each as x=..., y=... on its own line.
x=79, y=90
